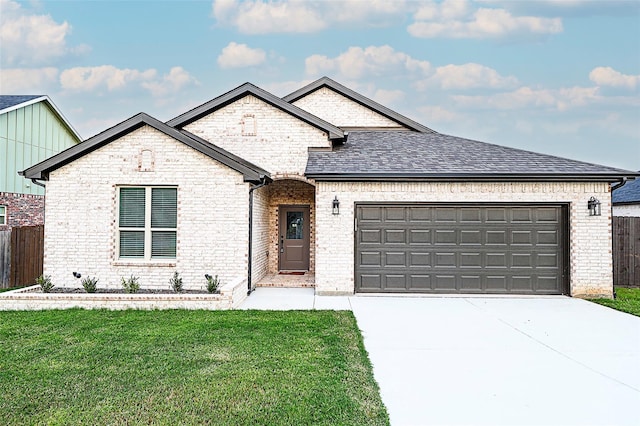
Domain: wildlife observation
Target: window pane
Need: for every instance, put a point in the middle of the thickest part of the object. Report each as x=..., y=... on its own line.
x=132, y=207
x=164, y=207
x=163, y=244
x=294, y=225
x=131, y=243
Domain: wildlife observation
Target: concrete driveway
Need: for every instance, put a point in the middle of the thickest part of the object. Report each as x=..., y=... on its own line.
x=502, y=361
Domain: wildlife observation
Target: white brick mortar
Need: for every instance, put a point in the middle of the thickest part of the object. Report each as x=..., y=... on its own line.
x=81, y=225
x=281, y=141
x=590, y=261
x=341, y=111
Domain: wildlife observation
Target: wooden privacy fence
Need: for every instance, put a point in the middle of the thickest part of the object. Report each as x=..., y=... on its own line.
x=626, y=251
x=21, y=255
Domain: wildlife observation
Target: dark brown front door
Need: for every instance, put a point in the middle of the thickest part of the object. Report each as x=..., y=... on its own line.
x=294, y=238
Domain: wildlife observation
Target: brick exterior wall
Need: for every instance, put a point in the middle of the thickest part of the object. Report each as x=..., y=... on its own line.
x=261, y=229
x=81, y=230
x=261, y=134
x=289, y=192
x=22, y=209
x=343, y=112
x=590, y=262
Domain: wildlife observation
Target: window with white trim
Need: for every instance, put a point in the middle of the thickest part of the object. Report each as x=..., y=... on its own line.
x=147, y=222
x=3, y=215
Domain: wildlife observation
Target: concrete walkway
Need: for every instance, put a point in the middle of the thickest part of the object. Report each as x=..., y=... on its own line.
x=492, y=361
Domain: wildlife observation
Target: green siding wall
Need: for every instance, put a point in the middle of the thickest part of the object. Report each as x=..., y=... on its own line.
x=29, y=135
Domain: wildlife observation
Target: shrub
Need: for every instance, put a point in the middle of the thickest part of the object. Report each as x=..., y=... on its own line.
x=176, y=282
x=45, y=283
x=130, y=285
x=90, y=284
x=213, y=283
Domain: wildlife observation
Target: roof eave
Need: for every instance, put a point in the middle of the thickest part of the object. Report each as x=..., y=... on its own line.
x=463, y=177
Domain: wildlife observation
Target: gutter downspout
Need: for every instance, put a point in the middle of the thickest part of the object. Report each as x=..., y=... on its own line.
x=620, y=184
x=263, y=182
x=35, y=181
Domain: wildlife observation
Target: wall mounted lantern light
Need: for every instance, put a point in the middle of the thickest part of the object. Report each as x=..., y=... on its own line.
x=77, y=275
x=594, y=207
x=336, y=206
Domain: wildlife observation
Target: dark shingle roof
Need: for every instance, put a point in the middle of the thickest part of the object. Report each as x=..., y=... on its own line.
x=7, y=101
x=629, y=193
x=433, y=156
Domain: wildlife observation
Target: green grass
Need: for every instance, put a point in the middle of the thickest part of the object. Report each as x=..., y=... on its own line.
x=9, y=289
x=185, y=367
x=627, y=300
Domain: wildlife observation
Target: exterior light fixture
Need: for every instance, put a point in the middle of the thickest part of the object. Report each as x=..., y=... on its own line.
x=77, y=275
x=336, y=206
x=594, y=207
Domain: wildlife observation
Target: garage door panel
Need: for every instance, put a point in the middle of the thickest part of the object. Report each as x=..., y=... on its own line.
x=370, y=236
x=395, y=281
x=420, y=282
x=445, y=236
x=419, y=260
x=419, y=236
x=394, y=236
x=444, y=282
x=371, y=258
x=470, y=237
x=395, y=259
x=472, y=249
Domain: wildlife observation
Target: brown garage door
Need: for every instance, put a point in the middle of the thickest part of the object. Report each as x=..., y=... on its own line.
x=508, y=249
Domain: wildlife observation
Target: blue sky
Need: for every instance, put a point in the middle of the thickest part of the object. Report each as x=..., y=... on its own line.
x=557, y=77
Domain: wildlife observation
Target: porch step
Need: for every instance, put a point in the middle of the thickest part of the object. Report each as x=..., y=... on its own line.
x=307, y=280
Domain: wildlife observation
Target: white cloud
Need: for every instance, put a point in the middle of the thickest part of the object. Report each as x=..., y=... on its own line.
x=467, y=76
x=29, y=39
x=456, y=19
x=236, y=55
x=87, y=79
x=607, y=76
x=91, y=78
x=285, y=87
x=388, y=97
x=526, y=97
x=437, y=114
x=258, y=17
x=357, y=62
x=177, y=79
x=28, y=81
x=298, y=16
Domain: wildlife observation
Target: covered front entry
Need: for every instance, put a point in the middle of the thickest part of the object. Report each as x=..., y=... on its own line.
x=294, y=235
x=445, y=248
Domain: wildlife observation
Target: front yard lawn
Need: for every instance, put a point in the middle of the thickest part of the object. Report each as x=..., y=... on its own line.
x=185, y=367
x=627, y=300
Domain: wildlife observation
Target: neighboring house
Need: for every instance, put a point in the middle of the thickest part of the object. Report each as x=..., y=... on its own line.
x=31, y=130
x=328, y=183
x=626, y=199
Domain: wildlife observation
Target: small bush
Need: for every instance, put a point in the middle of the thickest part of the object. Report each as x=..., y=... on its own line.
x=213, y=283
x=130, y=285
x=45, y=283
x=90, y=284
x=176, y=282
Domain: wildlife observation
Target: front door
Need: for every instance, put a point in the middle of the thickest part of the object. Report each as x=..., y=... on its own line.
x=294, y=238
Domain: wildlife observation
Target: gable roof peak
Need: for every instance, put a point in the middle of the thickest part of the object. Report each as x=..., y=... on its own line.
x=248, y=88
x=358, y=98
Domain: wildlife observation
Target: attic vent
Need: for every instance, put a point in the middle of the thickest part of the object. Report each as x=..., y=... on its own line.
x=249, y=125
x=146, y=161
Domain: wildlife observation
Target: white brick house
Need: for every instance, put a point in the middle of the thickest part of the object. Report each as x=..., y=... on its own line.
x=331, y=187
